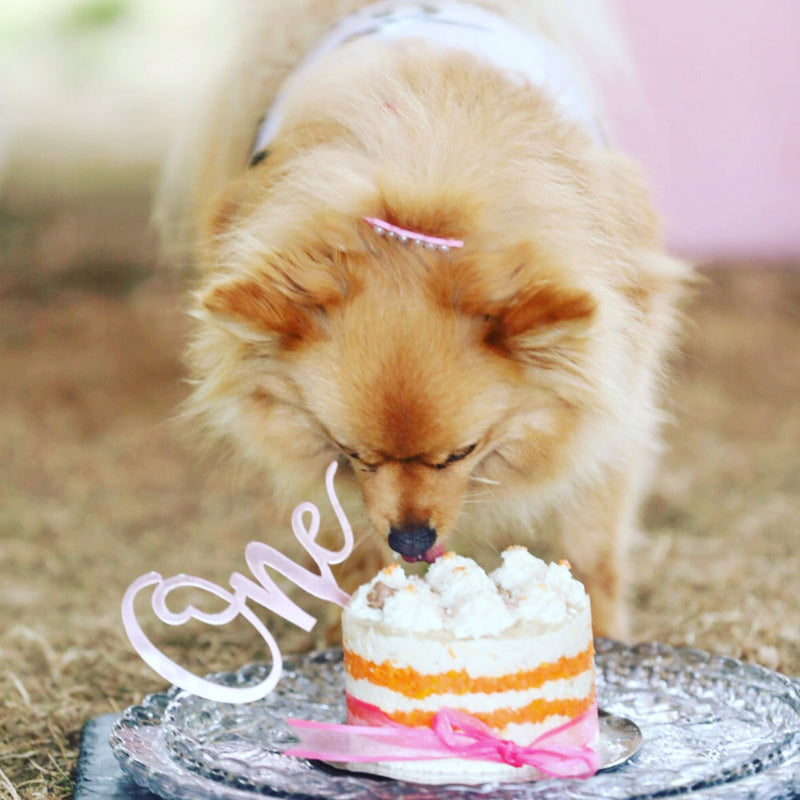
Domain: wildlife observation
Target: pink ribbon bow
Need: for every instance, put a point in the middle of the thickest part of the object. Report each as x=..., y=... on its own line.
x=454, y=734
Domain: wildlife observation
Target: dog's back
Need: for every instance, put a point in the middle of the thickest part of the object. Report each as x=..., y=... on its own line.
x=267, y=39
x=527, y=364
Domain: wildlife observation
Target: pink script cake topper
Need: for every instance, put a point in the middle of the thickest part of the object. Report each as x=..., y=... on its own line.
x=404, y=235
x=266, y=593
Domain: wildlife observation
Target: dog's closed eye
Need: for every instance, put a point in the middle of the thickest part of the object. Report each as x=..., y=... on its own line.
x=458, y=455
x=355, y=456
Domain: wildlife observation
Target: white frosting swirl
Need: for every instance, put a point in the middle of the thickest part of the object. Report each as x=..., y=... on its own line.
x=456, y=595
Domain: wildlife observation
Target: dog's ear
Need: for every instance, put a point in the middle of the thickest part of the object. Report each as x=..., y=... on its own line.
x=520, y=302
x=540, y=313
x=254, y=309
x=287, y=299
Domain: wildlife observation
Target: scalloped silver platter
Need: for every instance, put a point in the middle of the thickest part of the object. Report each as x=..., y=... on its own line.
x=712, y=727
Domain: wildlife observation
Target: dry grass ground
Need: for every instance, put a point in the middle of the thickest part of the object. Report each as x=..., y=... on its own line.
x=97, y=484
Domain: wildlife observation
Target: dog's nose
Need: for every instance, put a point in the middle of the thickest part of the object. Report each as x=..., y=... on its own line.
x=412, y=541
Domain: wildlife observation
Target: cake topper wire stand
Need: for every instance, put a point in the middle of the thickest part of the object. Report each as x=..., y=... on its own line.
x=713, y=727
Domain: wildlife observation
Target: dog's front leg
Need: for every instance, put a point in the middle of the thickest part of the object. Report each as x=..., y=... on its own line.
x=596, y=529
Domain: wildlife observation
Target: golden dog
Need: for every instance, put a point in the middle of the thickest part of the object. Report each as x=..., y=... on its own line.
x=434, y=269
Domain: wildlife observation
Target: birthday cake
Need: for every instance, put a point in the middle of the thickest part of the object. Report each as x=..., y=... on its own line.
x=512, y=649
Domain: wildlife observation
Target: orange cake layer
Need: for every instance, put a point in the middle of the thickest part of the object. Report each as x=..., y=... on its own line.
x=411, y=683
x=536, y=711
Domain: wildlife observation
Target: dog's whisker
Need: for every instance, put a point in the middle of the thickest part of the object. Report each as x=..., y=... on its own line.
x=479, y=494
x=481, y=479
x=477, y=543
x=370, y=537
x=494, y=548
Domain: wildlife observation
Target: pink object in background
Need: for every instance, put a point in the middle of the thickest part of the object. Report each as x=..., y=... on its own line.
x=719, y=132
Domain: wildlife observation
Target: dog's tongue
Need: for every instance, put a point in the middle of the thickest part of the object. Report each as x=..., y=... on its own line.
x=429, y=555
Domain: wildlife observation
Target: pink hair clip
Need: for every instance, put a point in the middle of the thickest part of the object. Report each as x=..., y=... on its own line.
x=404, y=236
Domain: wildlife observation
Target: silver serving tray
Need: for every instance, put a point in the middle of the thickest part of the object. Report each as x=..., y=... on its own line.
x=712, y=727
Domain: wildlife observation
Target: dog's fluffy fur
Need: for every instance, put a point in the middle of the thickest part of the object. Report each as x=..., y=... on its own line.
x=521, y=372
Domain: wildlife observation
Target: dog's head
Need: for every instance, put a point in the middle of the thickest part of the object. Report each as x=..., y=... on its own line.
x=443, y=379
x=438, y=377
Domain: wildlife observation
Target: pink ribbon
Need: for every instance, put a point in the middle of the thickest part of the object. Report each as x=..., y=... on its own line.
x=454, y=734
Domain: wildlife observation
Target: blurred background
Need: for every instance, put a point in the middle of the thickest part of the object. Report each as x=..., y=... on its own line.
x=720, y=128
x=99, y=484
x=92, y=89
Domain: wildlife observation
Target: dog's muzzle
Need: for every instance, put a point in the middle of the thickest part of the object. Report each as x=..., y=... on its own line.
x=412, y=542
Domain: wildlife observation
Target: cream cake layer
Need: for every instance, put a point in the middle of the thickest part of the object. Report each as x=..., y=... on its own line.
x=449, y=771
x=418, y=664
